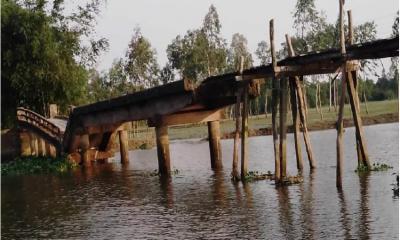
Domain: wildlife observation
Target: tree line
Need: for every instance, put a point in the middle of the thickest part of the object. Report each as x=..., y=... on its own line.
x=48, y=57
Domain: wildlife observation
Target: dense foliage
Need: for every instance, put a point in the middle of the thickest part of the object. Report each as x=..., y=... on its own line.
x=44, y=58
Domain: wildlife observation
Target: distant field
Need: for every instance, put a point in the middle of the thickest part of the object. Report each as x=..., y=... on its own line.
x=260, y=121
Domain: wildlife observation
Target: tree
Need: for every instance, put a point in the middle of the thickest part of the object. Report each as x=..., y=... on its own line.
x=263, y=53
x=200, y=52
x=237, y=50
x=44, y=59
x=141, y=64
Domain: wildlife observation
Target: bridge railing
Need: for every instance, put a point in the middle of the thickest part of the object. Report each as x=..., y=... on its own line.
x=38, y=121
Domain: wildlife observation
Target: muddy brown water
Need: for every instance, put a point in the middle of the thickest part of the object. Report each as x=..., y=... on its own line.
x=111, y=201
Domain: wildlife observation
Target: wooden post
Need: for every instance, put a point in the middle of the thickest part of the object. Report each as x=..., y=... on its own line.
x=34, y=144
x=320, y=102
x=164, y=162
x=275, y=95
x=357, y=120
x=235, y=166
x=296, y=124
x=302, y=111
x=123, y=146
x=282, y=125
x=245, y=133
x=215, y=145
x=330, y=94
x=339, y=139
x=85, y=144
x=295, y=111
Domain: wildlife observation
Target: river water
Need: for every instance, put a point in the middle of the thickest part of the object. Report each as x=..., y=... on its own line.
x=111, y=201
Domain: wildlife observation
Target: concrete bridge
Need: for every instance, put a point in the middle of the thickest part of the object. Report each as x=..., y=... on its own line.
x=89, y=132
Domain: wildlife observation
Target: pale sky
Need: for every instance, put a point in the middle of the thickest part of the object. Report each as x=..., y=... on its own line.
x=161, y=21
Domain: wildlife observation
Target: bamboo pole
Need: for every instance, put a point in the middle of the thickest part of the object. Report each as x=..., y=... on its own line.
x=302, y=111
x=275, y=85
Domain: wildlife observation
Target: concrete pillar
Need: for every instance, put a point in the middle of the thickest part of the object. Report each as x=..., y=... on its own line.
x=215, y=145
x=164, y=162
x=25, y=144
x=34, y=144
x=42, y=147
x=123, y=146
x=85, y=144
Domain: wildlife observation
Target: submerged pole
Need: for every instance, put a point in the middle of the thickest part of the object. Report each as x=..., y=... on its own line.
x=215, y=144
x=301, y=107
x=164, y=161
x=339, y=139
x=275, y=86
x=123, y=146
x=245, y=133
x=283, y=126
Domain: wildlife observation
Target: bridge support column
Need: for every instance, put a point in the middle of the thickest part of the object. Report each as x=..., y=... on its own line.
x=42, y=147
x=123, y=146
x=25, y=146
x=34, y=144
x=85, y=144
x=215, y=145
x=164, y=162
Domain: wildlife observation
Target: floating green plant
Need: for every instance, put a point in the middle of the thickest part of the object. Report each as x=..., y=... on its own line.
x=33, y=165
x=375, y=167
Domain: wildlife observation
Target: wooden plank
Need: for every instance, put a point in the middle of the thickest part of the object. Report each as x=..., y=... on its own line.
x=215, y=145
x=187, y=117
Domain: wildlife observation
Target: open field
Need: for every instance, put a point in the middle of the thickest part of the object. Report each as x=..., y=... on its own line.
x=375, y=109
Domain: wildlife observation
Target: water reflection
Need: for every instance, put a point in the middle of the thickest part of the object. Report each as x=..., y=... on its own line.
x=306, y=203
x=344, y=215
x=364, y=220
x=126, y=201
x=285, y=211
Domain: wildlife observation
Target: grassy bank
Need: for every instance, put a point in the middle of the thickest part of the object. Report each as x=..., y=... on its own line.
x=376, y=110
x=32, y=165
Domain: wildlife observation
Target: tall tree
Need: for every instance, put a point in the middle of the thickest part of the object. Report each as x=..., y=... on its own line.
x=237, y=50
x=200, y=52
x=44, y=59
x=141, y=64
x=263, y=53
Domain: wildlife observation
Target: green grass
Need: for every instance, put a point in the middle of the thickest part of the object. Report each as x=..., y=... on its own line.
x=260, y=121
x=34, y=165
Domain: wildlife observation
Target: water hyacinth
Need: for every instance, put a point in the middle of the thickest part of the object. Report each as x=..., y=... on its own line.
x=34, y=165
